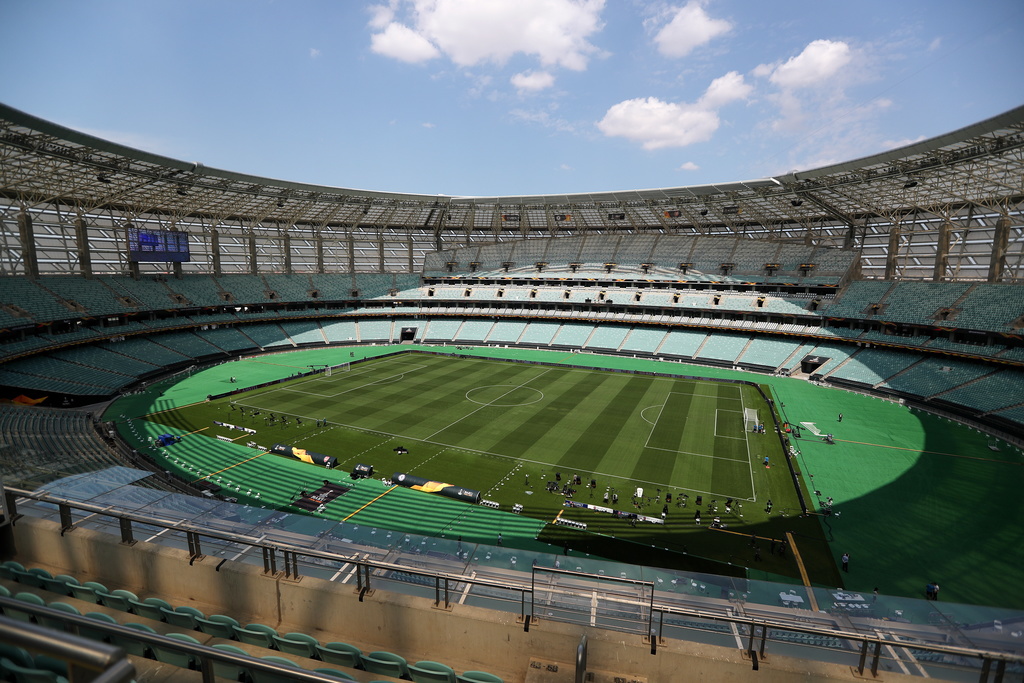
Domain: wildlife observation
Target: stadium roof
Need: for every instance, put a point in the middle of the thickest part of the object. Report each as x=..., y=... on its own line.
x=889, y=205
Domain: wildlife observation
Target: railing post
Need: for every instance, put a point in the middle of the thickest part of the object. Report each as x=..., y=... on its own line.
x=875, y=658
x=195, y=551
x=764, y=637
x=863, y=658
x=269, y=561
x=127, y=537
x=581, y=659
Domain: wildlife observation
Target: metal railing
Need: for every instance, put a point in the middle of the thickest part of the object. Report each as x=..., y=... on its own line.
x=649, y=618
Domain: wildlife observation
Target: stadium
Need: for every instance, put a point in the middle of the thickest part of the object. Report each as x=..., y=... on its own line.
x=262, y=430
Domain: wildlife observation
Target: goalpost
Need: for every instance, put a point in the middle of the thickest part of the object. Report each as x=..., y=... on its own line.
x=331, y=369
x=750, y=419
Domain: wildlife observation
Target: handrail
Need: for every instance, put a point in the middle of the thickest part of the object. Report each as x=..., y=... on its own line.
x=523, y=587
x=88, y=660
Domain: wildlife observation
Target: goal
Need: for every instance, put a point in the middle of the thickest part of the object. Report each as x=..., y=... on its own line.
x=750, y=419
x=330, y=369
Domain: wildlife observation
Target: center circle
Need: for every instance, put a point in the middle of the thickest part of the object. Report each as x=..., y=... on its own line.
x=504, y=395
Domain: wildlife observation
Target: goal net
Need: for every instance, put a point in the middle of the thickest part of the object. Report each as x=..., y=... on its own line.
x=750, y=419
x=330, y=369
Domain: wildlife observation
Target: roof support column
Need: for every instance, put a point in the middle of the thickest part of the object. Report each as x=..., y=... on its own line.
x=892, y=252
x=380, y=250
x=351, y=252
x=942, y=252
x=319, y=253
x=286, y=247
x=28, y=245
x=84, y=252
x=409, y=268
x=215, y=251
x=1000, y=239
x=253, y=266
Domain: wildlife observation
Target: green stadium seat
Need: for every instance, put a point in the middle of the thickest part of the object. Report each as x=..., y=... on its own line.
x=297, y=644
x=230, y=671
x=88, y=591
x=267, y=677
x=5, y=591
x=25, y=674
x=342, y=654
x=94, y=634
x=33, y=577
x=218, y=625
x=431, y=672
x=58, y=624
x=183, y=616
x=117, y=599
x=59, y=584
x=174, y=657
x=386, y=664
x=150, y=608
x=478, y=677
x=131, y=645
x=9, y=569
x=16, y=654
x=30, y=598
x=334, y=673
x=256, y=634
x=57, y=666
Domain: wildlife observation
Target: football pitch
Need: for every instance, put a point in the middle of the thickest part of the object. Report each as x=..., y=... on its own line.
x=521, y=434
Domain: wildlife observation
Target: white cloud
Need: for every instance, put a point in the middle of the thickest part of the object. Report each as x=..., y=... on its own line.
x=402, y=43
x=381, y=15
x=533, y=81
x=429, y=125
x=656, y=124
x=820, y=61
x=313, y=53
x=689, y=166
x=471, y=32
x=689, y=28
x=935, y=44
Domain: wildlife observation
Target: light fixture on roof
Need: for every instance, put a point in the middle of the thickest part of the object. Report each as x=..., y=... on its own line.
x=796, y=202
x=703, y=212
x=909, y=184
x=182, y=191
x=103, y=178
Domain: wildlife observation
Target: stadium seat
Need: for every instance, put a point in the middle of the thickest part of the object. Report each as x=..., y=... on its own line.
x=88, y=591
x=177, y=657
x=5, y=591
x=58, y=624
x=342, y=654
x=117, y=599
x=33, y=577
x=25, y=674
x=230, y=671
x=267, y=677
x=93, y=634
x=131, y=645
x=478, y=677
x=59, y=584
x=334, y=673
x=431, y=672
x=386, y=664
x=256, y=634
x=183, y=616
x=9, y=570
x=30, y=598
x=15, y=654
x=218, y=625
x=57, y=666
x=297, y=644
x=149, y=608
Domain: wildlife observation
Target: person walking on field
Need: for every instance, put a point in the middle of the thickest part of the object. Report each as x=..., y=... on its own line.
x=846, y=562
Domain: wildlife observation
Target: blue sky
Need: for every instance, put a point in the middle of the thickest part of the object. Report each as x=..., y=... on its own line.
x=504, y=97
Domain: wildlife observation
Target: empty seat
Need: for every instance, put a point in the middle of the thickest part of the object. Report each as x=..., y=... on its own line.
x=58, y=624
x=59, y=584
x=431, y=672
x=30, y=598
x=117, y=599
x=131, y=645
x=334, y=673
x=268, y=677
x=232, y=672
x=478, y=677
x=88, y=591
x=175, y=657
x=386, y=663
x=33, y=577
x=16, y=654
x=9, y=569
x=297, y=644
x=183, y=616
x=25, y=674
x=341, y=653
x=218, y=625
x=150, y=608
x=95, y=634
x=256, y=634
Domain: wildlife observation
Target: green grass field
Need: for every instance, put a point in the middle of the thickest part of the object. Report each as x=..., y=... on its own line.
x=506, y=429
